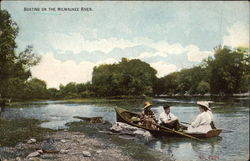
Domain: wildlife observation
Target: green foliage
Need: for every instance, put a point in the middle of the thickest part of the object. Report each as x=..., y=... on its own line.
x=68, y=91
x=203, y=87
x=229, y=71
x=35, y=88
x=170, y=83
x=129, y=77
x=73, y=90
x=226, y=73
x=52, y=93
x=14, y=67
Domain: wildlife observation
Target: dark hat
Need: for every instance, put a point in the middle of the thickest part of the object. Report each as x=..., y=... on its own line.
x=166, y=106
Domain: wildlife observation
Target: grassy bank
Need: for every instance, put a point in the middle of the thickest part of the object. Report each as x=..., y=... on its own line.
x=19, y=130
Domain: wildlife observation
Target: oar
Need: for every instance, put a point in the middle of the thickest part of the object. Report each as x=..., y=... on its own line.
x=226, y=131
x=178, y=132
x=185, y=123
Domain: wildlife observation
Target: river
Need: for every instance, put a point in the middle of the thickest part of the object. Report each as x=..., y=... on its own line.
x=229, y=113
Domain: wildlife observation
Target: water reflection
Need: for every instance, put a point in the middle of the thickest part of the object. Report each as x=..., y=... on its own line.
x=56, y=115
x=187, y=149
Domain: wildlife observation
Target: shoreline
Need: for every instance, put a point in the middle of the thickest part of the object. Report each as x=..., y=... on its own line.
x=117, y=99
x=67, y=146
x=80, y=141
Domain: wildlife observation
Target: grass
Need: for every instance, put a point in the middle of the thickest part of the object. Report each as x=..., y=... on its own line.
x=19, y=130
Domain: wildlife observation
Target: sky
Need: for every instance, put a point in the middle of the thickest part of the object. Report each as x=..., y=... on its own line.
x=169, y=35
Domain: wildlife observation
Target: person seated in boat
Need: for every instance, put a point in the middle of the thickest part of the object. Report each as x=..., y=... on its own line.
x=148, y=118
x=210, y=113
x=202, y=121
x=168, y=119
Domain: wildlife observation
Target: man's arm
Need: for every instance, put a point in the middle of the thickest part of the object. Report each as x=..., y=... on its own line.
x=173, y=117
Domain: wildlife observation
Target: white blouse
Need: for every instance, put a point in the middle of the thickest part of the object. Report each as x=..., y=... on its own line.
x=211, y=115
x=166, y=117
x=201, y=123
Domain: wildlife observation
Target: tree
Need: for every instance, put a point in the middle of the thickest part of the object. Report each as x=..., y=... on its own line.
x=14, y=67
x=203, y=87
x=169, y=84
x=35, y=89
x=53, y=93
x=128, y=77
x=68, y=91
x=228, y=71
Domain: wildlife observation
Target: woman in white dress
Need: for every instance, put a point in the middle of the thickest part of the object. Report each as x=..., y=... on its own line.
x=202, y=121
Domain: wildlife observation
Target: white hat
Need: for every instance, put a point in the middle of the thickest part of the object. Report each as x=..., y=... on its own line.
x=204, y=104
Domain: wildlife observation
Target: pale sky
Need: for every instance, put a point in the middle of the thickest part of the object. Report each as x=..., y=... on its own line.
x=168, y=35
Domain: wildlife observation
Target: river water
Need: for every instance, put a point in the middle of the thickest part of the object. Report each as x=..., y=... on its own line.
x=230, y=113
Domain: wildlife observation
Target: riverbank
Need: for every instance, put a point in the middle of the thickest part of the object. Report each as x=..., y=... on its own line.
x=66, y=146
x=18, y=130
x=117, y=100
x=95, y=100
x=80, y=141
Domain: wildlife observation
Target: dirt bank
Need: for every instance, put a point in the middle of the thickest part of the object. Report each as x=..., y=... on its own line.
x=67, y=146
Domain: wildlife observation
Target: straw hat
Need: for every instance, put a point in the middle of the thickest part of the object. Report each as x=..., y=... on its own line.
x=147, y=104
x=204, y=104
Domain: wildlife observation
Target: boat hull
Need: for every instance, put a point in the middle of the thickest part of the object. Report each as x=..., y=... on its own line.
x=123, y=115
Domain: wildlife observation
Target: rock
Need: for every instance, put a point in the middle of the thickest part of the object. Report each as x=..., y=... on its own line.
x=77, y=153
x=86, y=154
x=145, y=134
x=63, y=141
x=49, y=146
x=18, y=159
x=31, y=141
x=50, y=150
x=125, y=129
x=63, y=151
x=35, y=159
x=34, y=154
x=98, y=151
x=92, y=120
x=40, y=151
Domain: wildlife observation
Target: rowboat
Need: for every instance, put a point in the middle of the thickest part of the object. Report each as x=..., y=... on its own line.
x=125, y=116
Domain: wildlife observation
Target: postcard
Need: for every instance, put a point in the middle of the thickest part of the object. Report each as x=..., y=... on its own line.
x=124, y=80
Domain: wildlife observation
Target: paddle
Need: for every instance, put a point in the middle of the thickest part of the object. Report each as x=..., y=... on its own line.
x=178, y=132
x=226, y=131
x=185, y=123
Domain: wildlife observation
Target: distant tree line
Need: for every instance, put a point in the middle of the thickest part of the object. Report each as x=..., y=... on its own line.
x=225, y=73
